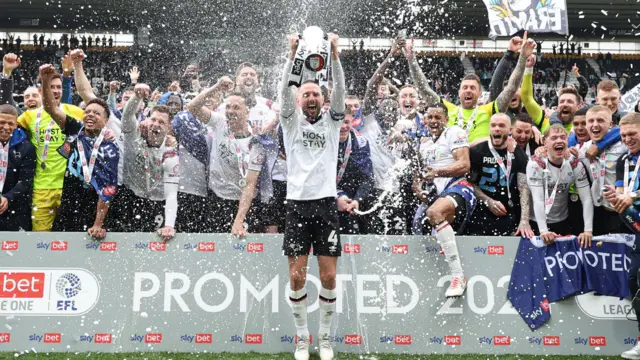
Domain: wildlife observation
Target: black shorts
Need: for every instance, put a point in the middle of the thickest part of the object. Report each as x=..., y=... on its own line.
x=421, y=225
x=312, y=223
x=192, y=213
x=606, y=222
x=275, y=212
x=130, y=213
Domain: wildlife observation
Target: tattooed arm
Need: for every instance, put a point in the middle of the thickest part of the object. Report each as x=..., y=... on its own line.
x=502, y=102
x=524, y=229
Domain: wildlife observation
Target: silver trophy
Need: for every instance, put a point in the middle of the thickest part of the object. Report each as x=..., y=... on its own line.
x=311, y=60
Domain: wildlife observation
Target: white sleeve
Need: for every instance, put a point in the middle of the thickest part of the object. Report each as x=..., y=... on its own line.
x=129, y=123
x=457, y=138
x=171, y=174
x=170, y=204
x=257, y=157
x=534, y=180
x=584, y=191
x=339, y=91
x=288, y=102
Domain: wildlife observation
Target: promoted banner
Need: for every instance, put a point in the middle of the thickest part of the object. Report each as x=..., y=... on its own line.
x=61, y=292
x=506, y=17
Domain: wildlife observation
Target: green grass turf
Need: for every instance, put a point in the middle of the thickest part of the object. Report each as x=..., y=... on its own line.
x=256, y=356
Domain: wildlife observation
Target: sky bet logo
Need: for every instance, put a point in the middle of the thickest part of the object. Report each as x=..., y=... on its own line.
x=103, y=246
x=433, y=249
x=250, y=247
x=53, y=246
x=48, y=338
x=545, y=340
x=627, y=341
x=152, y=246
x=293, y=339
x=8, y=245
x=201, y=247
x=197, y=338
x=352, y=248
x=452, y=340
x=397, y=339
x=592, y=341
x=147, y=338
x=496, y=340
x=395, y=249
x=97, y=338
x=490, y=250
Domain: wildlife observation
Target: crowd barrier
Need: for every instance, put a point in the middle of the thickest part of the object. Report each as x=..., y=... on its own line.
x=62, y=292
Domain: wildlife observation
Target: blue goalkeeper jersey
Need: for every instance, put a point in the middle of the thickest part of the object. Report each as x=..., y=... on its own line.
x=543, y=274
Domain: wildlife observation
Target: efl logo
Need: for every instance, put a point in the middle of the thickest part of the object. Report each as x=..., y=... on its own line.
x=21, y=285
x=52, y=338
x=544, y=304
x=108, y=246
x=206, y=246
x=452, y=340
x=157, y=246
x=501, y=341
x=204, y=338
x=5, y=338
x=551, y=340
x=255, y=247
x=153, y=338
x=10, y=245
x=353, y=339
x=597, y=341
x=495, y=250
x=400, y=249
x=352, y=248
x=402, y=339
x=103, y=339
x=59, y=246
x=253, y=339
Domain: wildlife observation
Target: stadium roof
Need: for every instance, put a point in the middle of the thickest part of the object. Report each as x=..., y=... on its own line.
x=355, y=18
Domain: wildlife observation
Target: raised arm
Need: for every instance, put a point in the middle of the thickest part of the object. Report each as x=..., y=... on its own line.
x=337, y=73
x=583, y=84
x=47, y=74
x=371, y=94
x=67, y=69
x=130, y=110
x=82, y=82
x=287, y=100
x=505, y=64
x=197, y=105
x=526, y=93
x=502, y=102
x=9, y=63
x=417, y=75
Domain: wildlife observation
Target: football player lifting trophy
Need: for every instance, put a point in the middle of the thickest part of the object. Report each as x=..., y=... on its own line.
x=312, y=58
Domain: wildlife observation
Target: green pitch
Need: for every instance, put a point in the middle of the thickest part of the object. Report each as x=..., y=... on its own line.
x=284, y=356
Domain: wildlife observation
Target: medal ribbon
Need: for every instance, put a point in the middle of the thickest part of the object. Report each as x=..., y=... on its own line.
x=549, y=200
x=87, y=170
x=469, y=122
x=343, y=166
x=594, y=174
x=151, y=167
x=4, y=164
x=47, y=135
x=628, y=186
x=243, y=167
x=507, y=170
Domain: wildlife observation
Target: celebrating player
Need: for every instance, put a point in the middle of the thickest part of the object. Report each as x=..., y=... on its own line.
x=449, y=200
x=311, y=140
